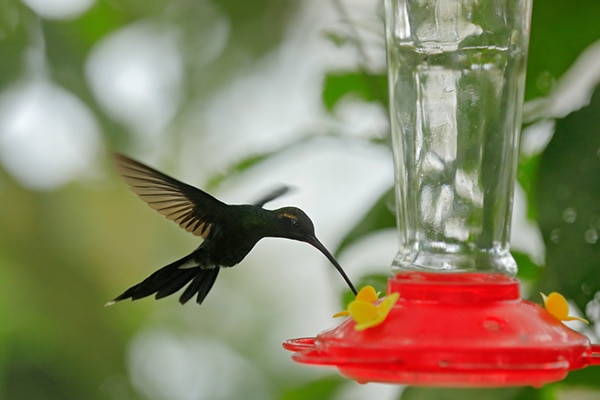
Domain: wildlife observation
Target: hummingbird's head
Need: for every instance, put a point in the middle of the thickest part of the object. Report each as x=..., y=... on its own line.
x=293, y=223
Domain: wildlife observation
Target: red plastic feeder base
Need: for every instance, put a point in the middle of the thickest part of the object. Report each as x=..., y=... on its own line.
x=453, y=330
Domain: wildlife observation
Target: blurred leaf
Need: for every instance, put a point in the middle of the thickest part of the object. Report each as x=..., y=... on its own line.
x=528, y=270
x=426, y=393
x=52, y=380
x=52, y=247
x=560, y=31
x=250, y=161
x=10, y=11
x=241, y=166
x=68, y=43
x=253, y=160
x=529, y=393
x=370, y=87
x=567, y=194
x=527, y=176
x=380, y=216
x=324, y=388
x=378, y=281
x=336, y=38
x=583, y=377
x=259, y=25
x=14, y=37
x=67, y=47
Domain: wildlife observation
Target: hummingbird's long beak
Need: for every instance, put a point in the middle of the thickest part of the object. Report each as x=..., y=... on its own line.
x=312, y=240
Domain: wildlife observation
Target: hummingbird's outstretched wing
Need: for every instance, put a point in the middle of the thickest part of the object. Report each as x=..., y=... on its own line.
x=280, y=191
x=193, y=209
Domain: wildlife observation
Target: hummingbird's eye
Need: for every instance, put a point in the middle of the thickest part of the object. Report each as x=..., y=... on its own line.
x=291, y=218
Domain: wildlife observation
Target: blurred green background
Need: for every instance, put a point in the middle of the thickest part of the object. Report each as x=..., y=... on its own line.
x=238, y=97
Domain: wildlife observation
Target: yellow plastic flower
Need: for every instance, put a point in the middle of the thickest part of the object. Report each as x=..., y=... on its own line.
x=557, y=305
x=366, y=311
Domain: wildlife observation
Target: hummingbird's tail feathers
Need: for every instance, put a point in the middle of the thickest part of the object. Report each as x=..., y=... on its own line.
x=163, y=282
x=178, y=279
x=201, y=284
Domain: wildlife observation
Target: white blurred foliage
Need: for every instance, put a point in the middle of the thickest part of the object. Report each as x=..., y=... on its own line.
x=166, y=366
x=278, y=98
x=525, y=235
x=572, y=91
x=47, y=135
x=136, y=75
x=379, y=391
x=59, y=9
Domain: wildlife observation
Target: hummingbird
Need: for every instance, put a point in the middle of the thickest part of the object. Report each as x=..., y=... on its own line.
x=229, y=231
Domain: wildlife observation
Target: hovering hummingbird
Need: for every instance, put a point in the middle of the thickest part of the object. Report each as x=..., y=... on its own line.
x=229, y=232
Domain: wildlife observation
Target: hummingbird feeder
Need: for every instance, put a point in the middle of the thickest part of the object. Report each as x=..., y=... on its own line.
x=456, y=73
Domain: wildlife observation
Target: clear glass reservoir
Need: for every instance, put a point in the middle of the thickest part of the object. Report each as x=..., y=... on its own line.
x=456, y=78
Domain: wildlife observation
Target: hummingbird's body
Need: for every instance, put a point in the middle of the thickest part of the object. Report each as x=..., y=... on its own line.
x=229, y=231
